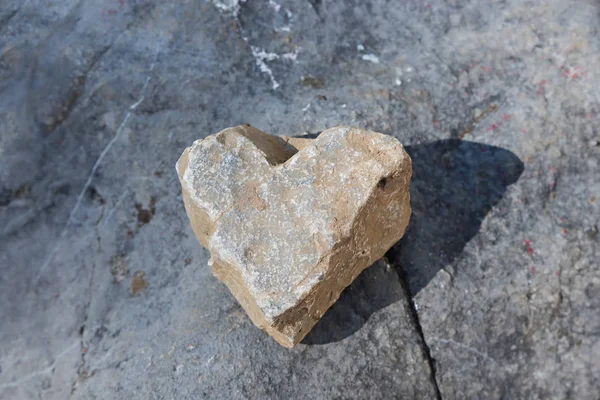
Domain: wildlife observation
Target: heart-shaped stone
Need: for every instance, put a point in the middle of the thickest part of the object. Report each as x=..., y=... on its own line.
x=290, y=222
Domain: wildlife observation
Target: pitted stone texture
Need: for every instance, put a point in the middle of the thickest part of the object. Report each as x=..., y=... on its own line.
x=289, y=229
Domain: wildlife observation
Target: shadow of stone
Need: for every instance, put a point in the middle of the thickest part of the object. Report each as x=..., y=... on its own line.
x=454, y=185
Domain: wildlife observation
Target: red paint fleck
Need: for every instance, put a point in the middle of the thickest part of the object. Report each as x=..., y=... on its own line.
x=527, y=244
x=492, y=127
x=565, y=231
x=435, y=122
x=541, y=89
x=564, y=73
x=557, y=272
x=523, y=130
x=465, y=93
x=591, y=115
x=122, y=2
x=551, y=169
x=532, y=269
x=505, y=117
x=486, y=69
x=84, y=350
x=575, y=76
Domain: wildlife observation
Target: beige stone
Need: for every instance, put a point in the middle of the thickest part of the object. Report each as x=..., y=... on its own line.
x=291, y=222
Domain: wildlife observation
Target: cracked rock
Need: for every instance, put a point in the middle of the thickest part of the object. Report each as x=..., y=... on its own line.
x=291, y=222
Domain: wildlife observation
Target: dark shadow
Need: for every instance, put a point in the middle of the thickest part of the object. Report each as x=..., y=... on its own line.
x=454, y=185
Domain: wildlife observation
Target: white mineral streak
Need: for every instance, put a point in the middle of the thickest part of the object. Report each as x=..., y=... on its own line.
x=261, y=56
x=371, y=58
x=288, y=230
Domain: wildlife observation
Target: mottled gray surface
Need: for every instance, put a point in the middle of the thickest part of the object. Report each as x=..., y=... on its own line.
x=497, y=103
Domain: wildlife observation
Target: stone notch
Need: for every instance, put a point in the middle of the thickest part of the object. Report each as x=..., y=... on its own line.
x=291, y=222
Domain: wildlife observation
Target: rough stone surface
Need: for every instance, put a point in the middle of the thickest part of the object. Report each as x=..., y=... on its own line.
x=290, y=228
x=497, y=105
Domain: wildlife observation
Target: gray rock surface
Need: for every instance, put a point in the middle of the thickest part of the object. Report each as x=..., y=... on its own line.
x=104, y=292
